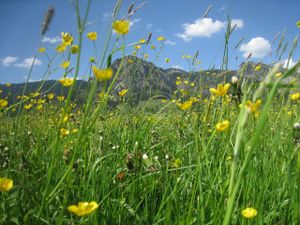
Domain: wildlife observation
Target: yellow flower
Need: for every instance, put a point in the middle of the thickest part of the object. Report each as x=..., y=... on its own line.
x=92, y=36
x=249, y=213
x=161, y=38
x=222, y=125
x=102, y=74
x=121, y=26
x=28, y=106
x=257, y=68
x=61, y=48
x=83, y=208
x=130, y=61
x=137, y=47
x=66, y=82
x=123, y=92
x=146, y=56
x=142, y=41
x=67, y=38
x=65, y=119
x=6, y=184
x=253, y=107
x=298, y=24
x=167, y=60
x=74, y=49
x=50, y=96
x=3, y=103
x=8, y=84
x=64, y=132
x=279, y=74
x=177, y=163
x=295, y=96
x=74, y=130
x=186, y=105
x=183, y=92
x=60, y=98
x=39, y=107
x=35, y=94
x=42, y=50
x=41, y=101
x=65, y=64
x=221, y=90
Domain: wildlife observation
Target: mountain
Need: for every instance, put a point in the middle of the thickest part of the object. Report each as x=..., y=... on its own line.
x=144, y=80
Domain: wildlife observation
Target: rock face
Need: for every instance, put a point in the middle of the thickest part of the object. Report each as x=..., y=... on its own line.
x=144, y=80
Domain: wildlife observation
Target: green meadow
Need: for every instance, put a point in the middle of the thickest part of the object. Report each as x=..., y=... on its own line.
x=223, y=150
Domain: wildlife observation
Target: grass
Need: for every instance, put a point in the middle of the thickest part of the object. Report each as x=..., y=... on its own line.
x=156, y=163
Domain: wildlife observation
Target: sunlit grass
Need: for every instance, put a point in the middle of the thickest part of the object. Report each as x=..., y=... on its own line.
x=225, y=154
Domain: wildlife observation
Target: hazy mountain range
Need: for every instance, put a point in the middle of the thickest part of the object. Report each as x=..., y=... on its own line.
x=144, y=80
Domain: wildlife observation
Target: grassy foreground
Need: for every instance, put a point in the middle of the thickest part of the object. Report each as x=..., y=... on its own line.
x=231, y=157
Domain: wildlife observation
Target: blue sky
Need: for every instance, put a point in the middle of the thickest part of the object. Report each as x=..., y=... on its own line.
x=179, y=21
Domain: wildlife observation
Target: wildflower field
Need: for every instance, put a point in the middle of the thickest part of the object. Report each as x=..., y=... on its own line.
x=223, y=150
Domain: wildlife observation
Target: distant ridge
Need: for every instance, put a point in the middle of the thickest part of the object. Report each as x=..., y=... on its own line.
x=144, y=80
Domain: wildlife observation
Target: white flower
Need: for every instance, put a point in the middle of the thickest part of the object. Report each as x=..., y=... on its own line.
x=234, y=80
x=145, y=156
x=297, y=126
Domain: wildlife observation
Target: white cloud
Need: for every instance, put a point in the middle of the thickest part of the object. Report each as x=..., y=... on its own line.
x=134, y=21
x=168, y=42
x=288, y=66
x=177, y=67
x=26, y=63
x=204, y=27
x=238, y=22
x=107, y=14
x=149, y=26
x=51, y=40
x=258, y=47
x=9, y=60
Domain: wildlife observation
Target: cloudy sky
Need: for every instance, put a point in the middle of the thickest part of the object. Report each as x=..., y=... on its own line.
x=181, y=22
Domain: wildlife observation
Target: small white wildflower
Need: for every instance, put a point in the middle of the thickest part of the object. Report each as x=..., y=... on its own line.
x=167, y=157
x=145, y=156
x=297, y=126
x=156, y=158
x=234, y=80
